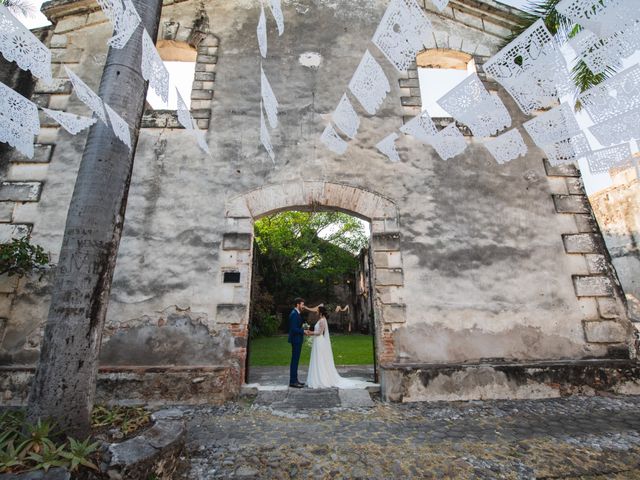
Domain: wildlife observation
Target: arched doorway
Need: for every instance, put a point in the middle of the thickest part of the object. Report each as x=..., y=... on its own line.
x=387, y=276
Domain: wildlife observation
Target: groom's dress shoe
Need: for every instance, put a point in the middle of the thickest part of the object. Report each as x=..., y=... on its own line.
x=296, y=385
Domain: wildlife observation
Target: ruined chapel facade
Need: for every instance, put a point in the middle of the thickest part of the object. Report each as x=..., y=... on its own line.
x=488, y=281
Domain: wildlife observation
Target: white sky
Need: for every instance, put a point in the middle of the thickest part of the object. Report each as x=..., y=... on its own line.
x=182, y=75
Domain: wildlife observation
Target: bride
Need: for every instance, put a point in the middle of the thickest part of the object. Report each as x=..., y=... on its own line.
x=322, y=369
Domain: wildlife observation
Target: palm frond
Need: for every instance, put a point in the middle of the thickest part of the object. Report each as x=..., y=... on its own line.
x=26, y=8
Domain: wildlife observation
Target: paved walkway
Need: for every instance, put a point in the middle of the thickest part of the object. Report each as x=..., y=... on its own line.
x=308, y=434
x=279, y=376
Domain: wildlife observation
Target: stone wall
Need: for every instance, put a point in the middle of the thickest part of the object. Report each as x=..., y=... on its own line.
x=617, y=209
x=472, y=261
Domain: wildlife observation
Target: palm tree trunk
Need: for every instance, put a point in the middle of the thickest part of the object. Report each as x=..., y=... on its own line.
x=65, y=381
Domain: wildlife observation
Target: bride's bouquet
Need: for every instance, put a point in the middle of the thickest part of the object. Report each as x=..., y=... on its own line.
x=308, y=340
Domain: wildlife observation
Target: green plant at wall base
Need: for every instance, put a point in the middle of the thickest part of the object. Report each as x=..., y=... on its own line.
x=21, y=257
x=125, y=419
x=79, y=453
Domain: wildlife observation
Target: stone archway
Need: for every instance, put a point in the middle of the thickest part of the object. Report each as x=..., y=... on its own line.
x=388, y=276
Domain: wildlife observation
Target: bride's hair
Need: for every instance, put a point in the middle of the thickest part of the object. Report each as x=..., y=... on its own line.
x=323, y=312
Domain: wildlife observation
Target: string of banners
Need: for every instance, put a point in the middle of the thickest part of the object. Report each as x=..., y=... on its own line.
x=19, y=120
x=531, y=69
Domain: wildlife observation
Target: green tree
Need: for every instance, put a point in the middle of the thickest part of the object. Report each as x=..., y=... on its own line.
x=305, y=254
x=582, y=75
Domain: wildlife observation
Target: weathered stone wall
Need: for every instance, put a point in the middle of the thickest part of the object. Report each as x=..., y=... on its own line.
x=472, y=260
x=617, y=209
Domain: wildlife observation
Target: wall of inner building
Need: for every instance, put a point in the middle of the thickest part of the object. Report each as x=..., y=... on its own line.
x=474, y=262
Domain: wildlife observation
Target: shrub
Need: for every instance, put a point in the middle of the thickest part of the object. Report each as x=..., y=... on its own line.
x=21, y=257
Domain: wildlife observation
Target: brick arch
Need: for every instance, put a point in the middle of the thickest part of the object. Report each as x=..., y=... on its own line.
x=386, y=257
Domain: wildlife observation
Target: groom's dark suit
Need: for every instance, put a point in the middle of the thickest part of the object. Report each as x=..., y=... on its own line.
x=296, y=337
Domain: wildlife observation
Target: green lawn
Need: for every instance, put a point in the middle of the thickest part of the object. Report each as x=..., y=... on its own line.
x=347, y=350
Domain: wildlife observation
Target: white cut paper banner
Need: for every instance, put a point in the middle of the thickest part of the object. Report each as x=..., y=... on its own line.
x=265, y=138
x=402, y=33
x=420, y=127
x=448, y=142
x=186, y=120
x=615, y=96
x=276, y=10
x=507, y=147
x=119, y=126
x=19, y=121
x=346, y=118
x=601, y=17
x=71, y=122
x=618, y=129
x=153, y=68
x=333, y=141
x=125, y=20
x=269, y=99
x=19, y=45
x=87, y=96
x=601, y=161
x=470, y=103
x=369, y=84
x=387, y=146
x=261, y=32
x=598, y=54
x=531, y=69
x=567, y=150
x=553, y=126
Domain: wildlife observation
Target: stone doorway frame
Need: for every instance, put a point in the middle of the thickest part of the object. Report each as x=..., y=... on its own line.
x=237, y=253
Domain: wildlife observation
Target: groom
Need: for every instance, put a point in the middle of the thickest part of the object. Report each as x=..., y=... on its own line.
x=296, y=337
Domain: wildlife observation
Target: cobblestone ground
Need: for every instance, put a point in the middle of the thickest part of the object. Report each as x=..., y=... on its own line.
x=577, y=437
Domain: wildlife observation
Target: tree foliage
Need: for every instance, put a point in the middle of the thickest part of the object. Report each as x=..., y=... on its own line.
x=303, y=254
x=556, y=23
x=21, y=257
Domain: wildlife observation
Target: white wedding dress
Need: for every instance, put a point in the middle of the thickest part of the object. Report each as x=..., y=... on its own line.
x=322, y=369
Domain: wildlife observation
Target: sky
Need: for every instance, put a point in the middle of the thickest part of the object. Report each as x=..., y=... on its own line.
x=182, y=78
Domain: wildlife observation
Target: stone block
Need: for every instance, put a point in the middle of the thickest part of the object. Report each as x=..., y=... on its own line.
x=58, y=86
x=203, y=124
x=20, y=191
x=592, y=286
x=6, y=301
x=412, y=73
x=205, y=76
x=9, y=231
x=207, y=85
x=394, y=313
x=411, y=101
x=66, y=55
x=41, y=99
x=231, y=313
x=196, y=85
x=207, y=59
x=571, y=204
x=389, y=295
x=609, y=308
x=41, y=154
x=202, y=94
x=47, y=135
x=387, y=259
x=581, y=243
x=389, y=276
x=385, y=241
x=563, y=170
x=597, y=264
x=28, y=171
x=575, y=186
x=58, y=41
x=605, y=331
x=409, y=83
x=70, y=23
x=585, y=223
x=236, y=241
x=59, y=101
x=8, y=284
x=200, y=104
x=6, y=211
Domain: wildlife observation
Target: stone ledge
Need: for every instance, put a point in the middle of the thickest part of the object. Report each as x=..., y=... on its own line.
x=581, y=243
x=20, y=191
x=571, y=203
x=605, y=331
x=592, y=286
x=563, y=170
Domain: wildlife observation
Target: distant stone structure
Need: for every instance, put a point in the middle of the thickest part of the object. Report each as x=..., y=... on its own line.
x=485, y=280
x=617, y=209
